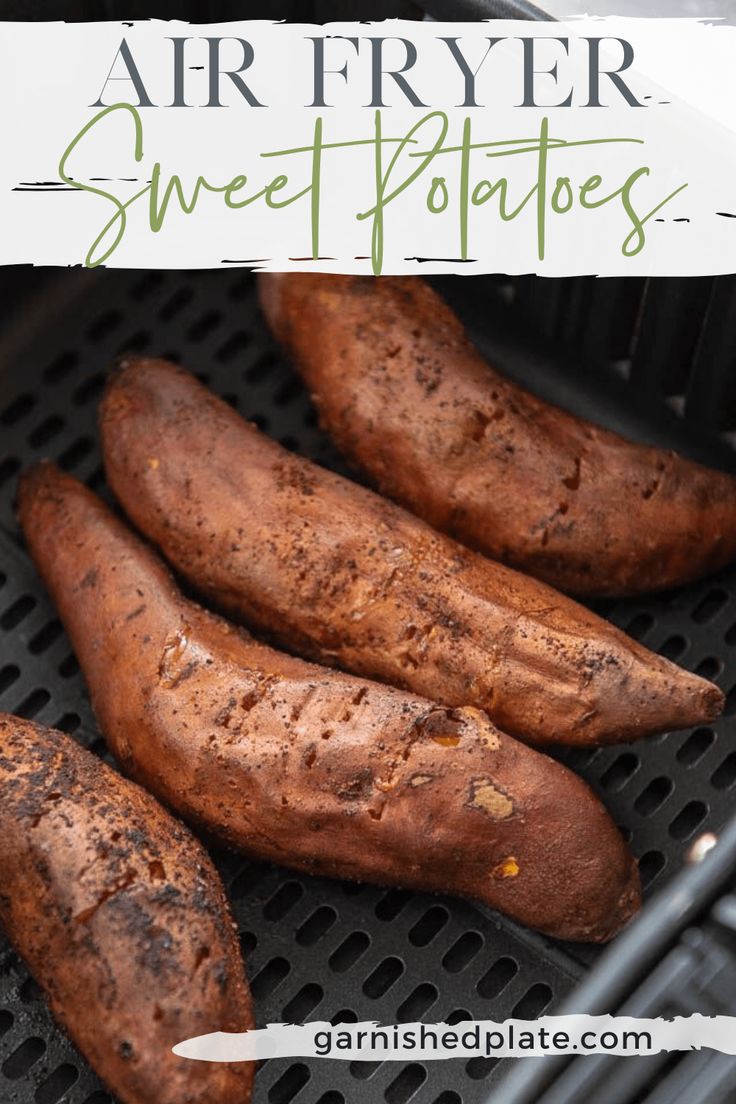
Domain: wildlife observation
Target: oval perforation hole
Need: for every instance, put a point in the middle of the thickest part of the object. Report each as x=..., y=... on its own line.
x=495, y=980
x=98, y=1097
x=45, y=637
x=289, y=390
x=448, y=1097
x=104, y=325
x=724, y=776
x=640, y=625
x=136, y=343
x=283, y=900
x=406, y=1084
x=32, y=705
x=291, y=1082
x=248, y=942
x=417, y=1003
x=46, y=431
x=688, y=820
x=386, y=974
x=6, y=1022
x=30, y=991
x=709, y=668
x=653, y=796
x=175, y=303
x=303, y=1004
x=730, y=707
x=363, y=1071
x=8, y=468
x=89, y=389
x=78, y=451
x=710, y=606
x=17, y=1064
x=695, y=746
x=349, y=951
x=269, y=977
x=204, y=325
x=620, y=771
x=261, y=368
x=69, y=667
x=61, y=367
x=8, y=675
x=533, y=1003
x=17, y=409
x=673, y=647
x=389, y=907
x=147, y=284
x=462, y=952
x=428, y=926
x=345, y=1015
x=57, y=1084
x=479, y=1068
x=68, y=722
x=651, y=864
x=459, y=1015
x=236, y=343
x=332, y=1096
x=17, y=612
x=315, y=926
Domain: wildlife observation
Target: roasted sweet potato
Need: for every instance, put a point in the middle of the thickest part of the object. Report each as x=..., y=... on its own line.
x=408, y=399
x=309, y=767
x=345, y=577
x=121, y=918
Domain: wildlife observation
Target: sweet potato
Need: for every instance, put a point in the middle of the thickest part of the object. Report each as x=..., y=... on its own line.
x=343, y=576
x=121, y=918
x=408, y=399
x=309, y=767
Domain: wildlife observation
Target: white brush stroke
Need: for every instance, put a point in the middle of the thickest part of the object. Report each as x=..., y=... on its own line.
x=682, y=1033
x=51, y=72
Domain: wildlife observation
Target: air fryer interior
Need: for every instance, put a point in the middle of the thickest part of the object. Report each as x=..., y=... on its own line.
x=317, y=949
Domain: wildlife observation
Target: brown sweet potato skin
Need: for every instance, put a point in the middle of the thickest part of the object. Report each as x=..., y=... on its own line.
x=121, y=918
x=346, y=577
x=309, y=767
x=409, y=400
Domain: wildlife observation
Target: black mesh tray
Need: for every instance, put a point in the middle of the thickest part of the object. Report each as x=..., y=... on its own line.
x=314, y=949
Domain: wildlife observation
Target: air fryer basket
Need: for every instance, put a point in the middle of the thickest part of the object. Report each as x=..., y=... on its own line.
x=316, y=949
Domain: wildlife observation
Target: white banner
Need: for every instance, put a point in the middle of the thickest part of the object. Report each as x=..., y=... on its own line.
x=597, y=146
x=620, y=1035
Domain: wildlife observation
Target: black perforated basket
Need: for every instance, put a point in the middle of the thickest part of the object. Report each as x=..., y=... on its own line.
x=315, y=949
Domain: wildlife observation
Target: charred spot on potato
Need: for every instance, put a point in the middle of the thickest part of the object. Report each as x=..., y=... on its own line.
x=358, y=787
x=203, y=953
x=86, y=914
x=224, y=716
x=156, y=870
x=251, y=698
x=443, y=726
x=572, y=482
